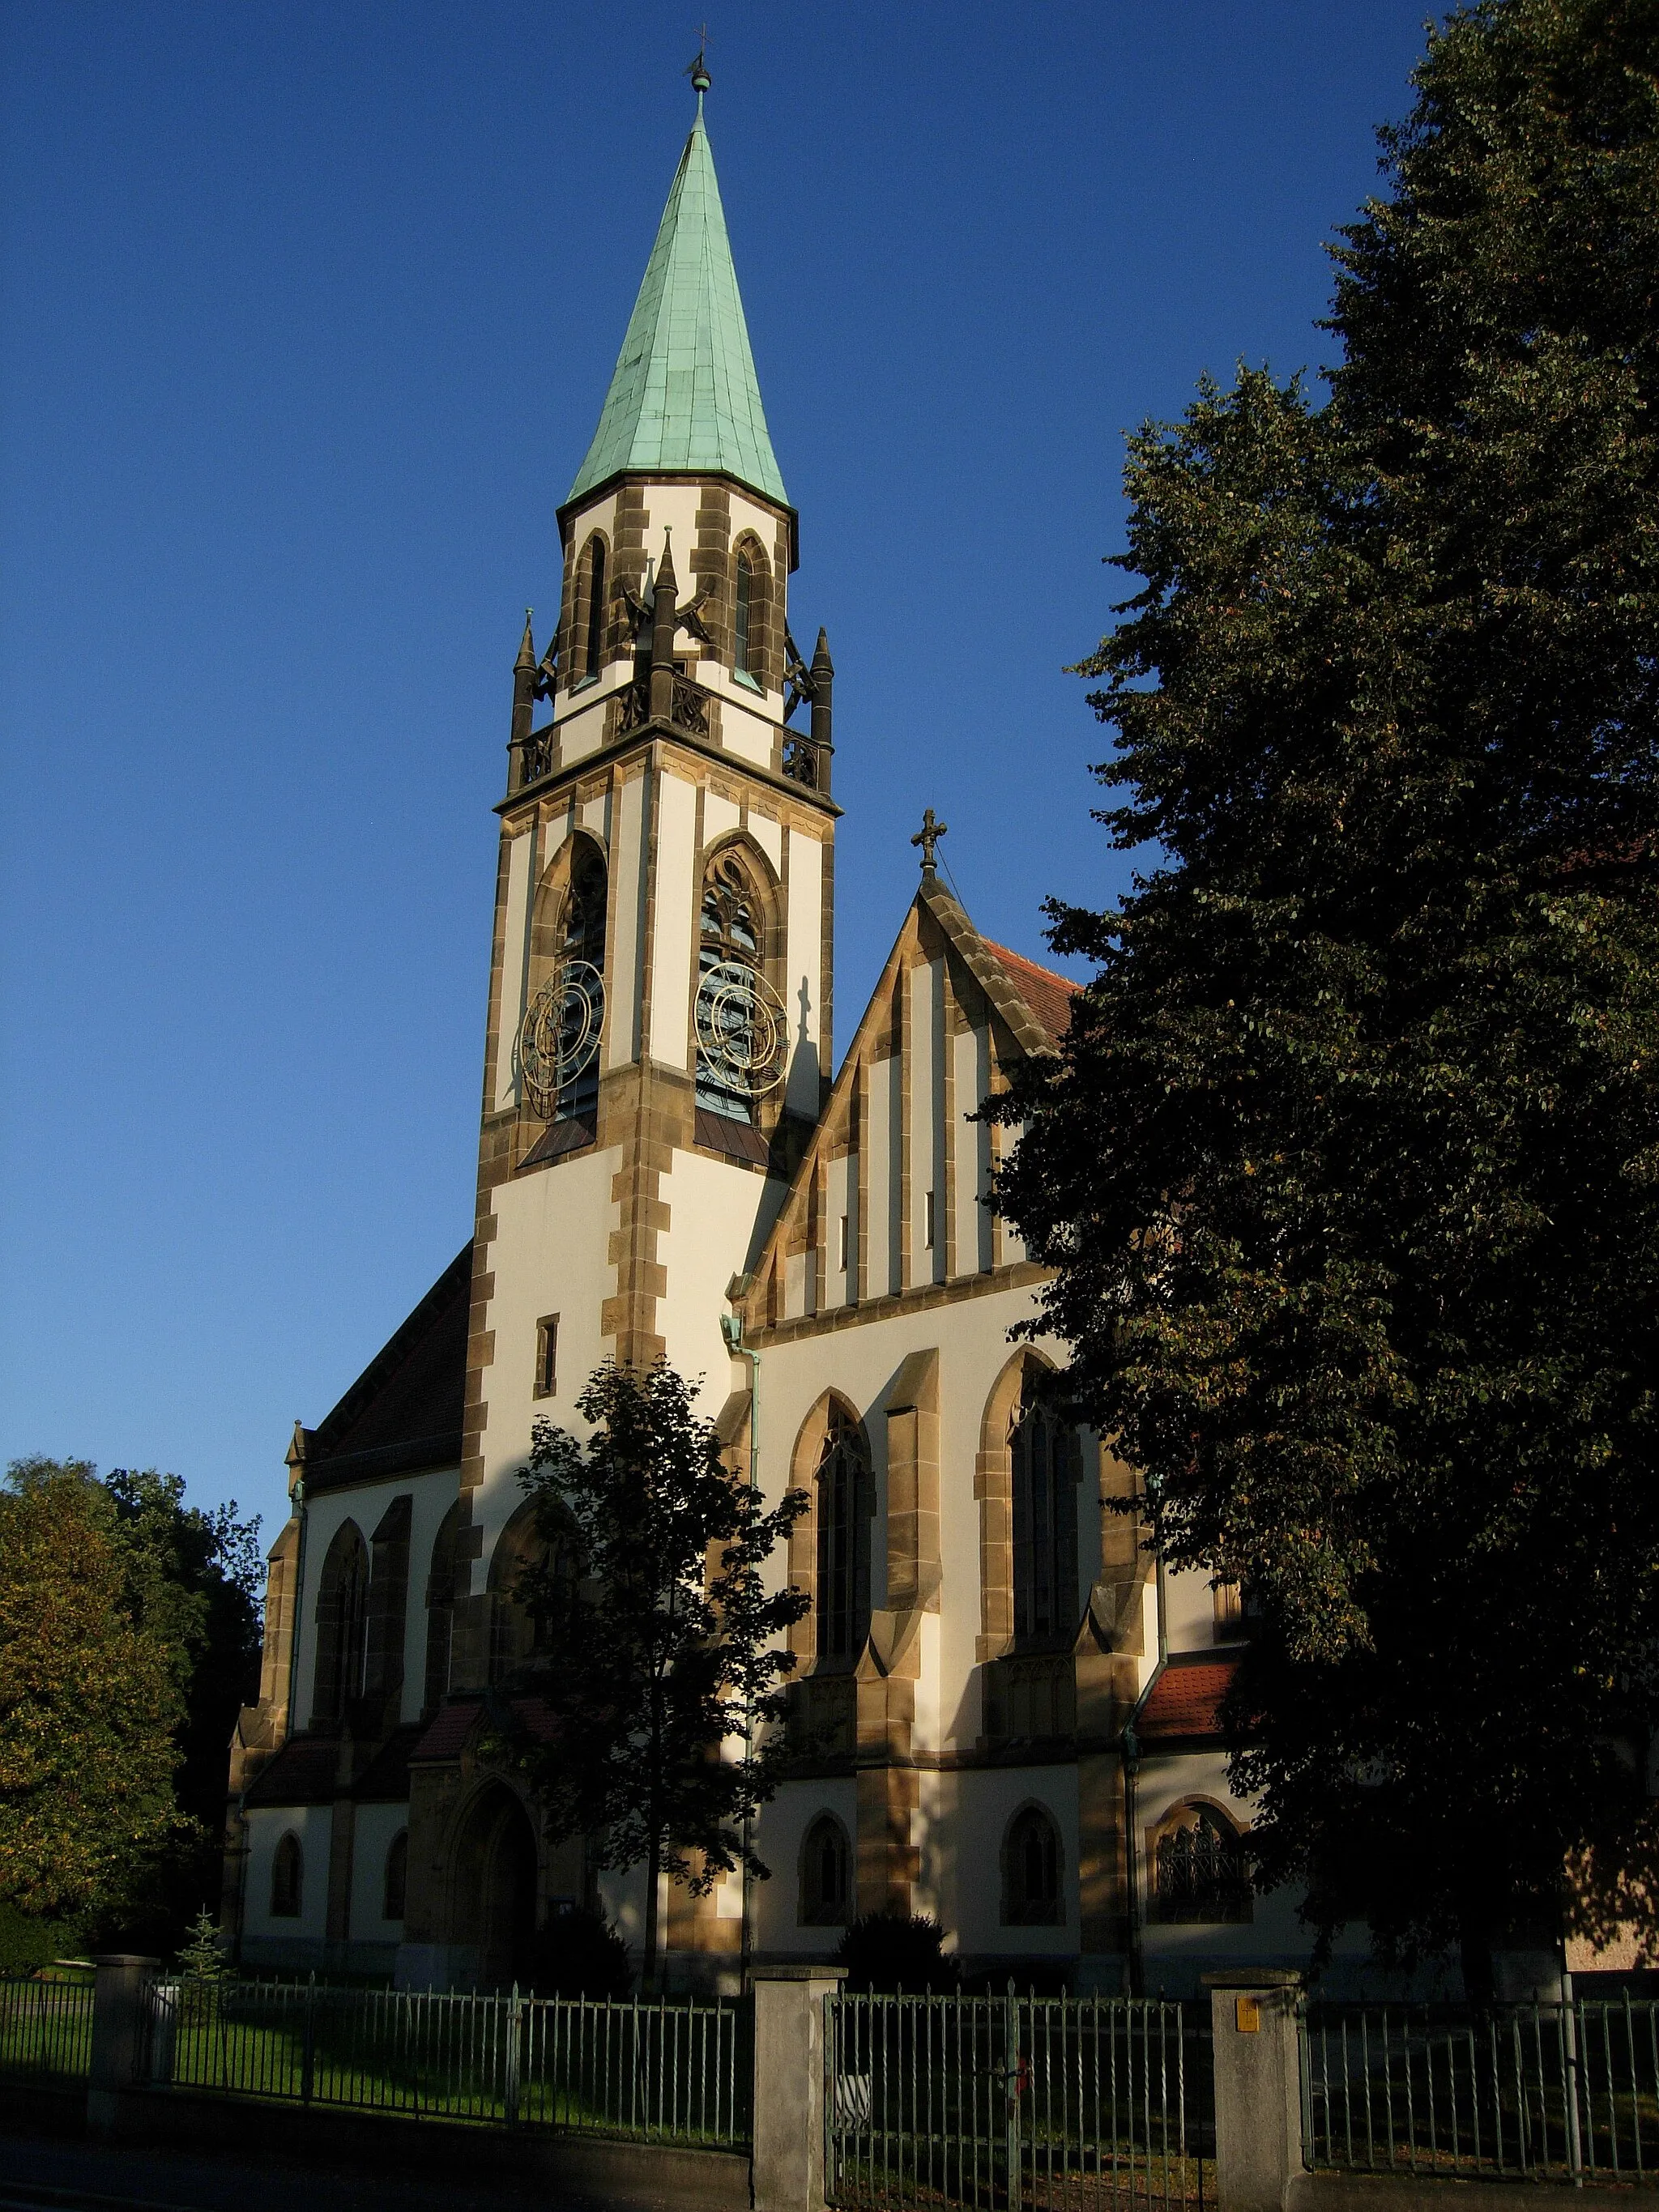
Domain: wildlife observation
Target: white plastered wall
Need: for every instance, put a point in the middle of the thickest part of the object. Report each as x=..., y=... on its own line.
x=313, y=1824
x=716, y=1213
x=776, y=1903
x=551, y=1255
x=376, y=1826
x=803, y=972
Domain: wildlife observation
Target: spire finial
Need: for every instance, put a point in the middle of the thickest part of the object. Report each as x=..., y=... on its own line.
x=698, y=71
x=526, y=643
x=927, y=837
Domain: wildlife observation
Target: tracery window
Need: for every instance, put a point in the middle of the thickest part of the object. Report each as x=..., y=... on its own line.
x=843, y=1532
x=1199, y=1870
x=1045, y=1459
x=342, y=1623
x=741, y=1032
x=1031, y=1893
x=826, y=1875
x=287, y=1878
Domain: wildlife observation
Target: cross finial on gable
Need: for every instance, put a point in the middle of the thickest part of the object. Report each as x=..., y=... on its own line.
x=927, y=837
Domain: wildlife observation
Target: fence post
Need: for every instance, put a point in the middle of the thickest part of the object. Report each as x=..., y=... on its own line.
x=308, y=2051
x=510, y=2068
x=1255, y=2017
x=789, y=2076
x=120, y=2003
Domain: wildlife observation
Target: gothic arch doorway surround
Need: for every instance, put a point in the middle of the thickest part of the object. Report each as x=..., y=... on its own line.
x=494, y=1885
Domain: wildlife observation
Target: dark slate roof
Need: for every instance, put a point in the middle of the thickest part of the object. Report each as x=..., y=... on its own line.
x=1047, y=995
x=301, y=1773
x=1186, y=1698
x=404, y=1412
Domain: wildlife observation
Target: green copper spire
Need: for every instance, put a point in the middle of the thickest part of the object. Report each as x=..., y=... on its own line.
x=683, y=395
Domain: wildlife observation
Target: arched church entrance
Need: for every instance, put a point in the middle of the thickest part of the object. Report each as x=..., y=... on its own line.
x=494, y=1894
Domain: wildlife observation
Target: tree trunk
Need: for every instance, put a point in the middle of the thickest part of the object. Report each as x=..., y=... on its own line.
x=652, y=1873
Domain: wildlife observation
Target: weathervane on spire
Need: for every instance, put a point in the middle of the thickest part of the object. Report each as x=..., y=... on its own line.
x=927, y=837
x=698, y=72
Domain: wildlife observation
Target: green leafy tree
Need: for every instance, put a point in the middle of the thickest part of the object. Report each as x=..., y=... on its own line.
x=194, y=1574
x=656, y=1637
x=90, y=1696
x=1349, y=1168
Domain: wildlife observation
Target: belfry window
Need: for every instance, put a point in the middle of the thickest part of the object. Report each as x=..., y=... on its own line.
x=743, y=625
x=595, y=642
x=1045, y=1469
x=740, y=1027
x=558, y=1045
x=843, y=1520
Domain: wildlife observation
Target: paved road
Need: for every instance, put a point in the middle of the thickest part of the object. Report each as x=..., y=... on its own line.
x=43, y=2175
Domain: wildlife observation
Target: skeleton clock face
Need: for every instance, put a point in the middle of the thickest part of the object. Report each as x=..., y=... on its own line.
x=559, y=1035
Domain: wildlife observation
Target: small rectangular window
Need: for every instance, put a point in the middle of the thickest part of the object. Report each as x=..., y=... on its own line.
x=547, y=1356
x=842, y=1262
x=927, y=1217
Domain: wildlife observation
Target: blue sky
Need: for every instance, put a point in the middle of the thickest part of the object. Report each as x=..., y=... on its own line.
x=309, y=310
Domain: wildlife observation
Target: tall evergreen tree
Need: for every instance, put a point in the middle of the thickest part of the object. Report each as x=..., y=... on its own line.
x=1349, y=1168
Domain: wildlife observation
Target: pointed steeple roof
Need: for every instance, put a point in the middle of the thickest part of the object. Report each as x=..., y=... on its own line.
x=684, y=395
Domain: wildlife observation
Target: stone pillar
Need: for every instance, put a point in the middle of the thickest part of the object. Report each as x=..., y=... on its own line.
x=788, y=2159
x=120, y=2003
x=1258, y=2087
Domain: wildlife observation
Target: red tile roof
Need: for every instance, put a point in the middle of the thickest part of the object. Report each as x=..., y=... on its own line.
x=1185, y=1698
x=453, y=1727
x=1047, y=995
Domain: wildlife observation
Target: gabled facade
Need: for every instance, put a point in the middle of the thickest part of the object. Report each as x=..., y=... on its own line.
x=1003, y=1715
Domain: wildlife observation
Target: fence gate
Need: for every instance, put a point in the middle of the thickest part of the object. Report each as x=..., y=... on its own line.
x=1058, y=2103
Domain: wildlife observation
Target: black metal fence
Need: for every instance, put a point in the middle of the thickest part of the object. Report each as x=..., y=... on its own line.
x=664, y=2072
x=1542, y=2091
x=1060, y=2104
x=45, y=2029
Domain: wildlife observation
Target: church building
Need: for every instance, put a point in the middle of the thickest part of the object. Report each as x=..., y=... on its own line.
x=1004, y=1711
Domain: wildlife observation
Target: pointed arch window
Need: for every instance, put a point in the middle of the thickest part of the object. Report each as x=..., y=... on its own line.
x=557, y=1050
x=441, y=1608
x=342, y=1623
x=743, y=627
x=1031, y=1894
x=287, y=1878
x=594, y=644
x=843, y=1531
x=1046, y=1460
x=826, y=1875
x=741, y=1032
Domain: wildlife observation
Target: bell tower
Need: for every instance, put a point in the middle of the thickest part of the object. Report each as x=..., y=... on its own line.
x=658, y=1048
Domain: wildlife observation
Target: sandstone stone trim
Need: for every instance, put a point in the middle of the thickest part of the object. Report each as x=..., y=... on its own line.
x=1019, y=1274
x=914, y=1568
